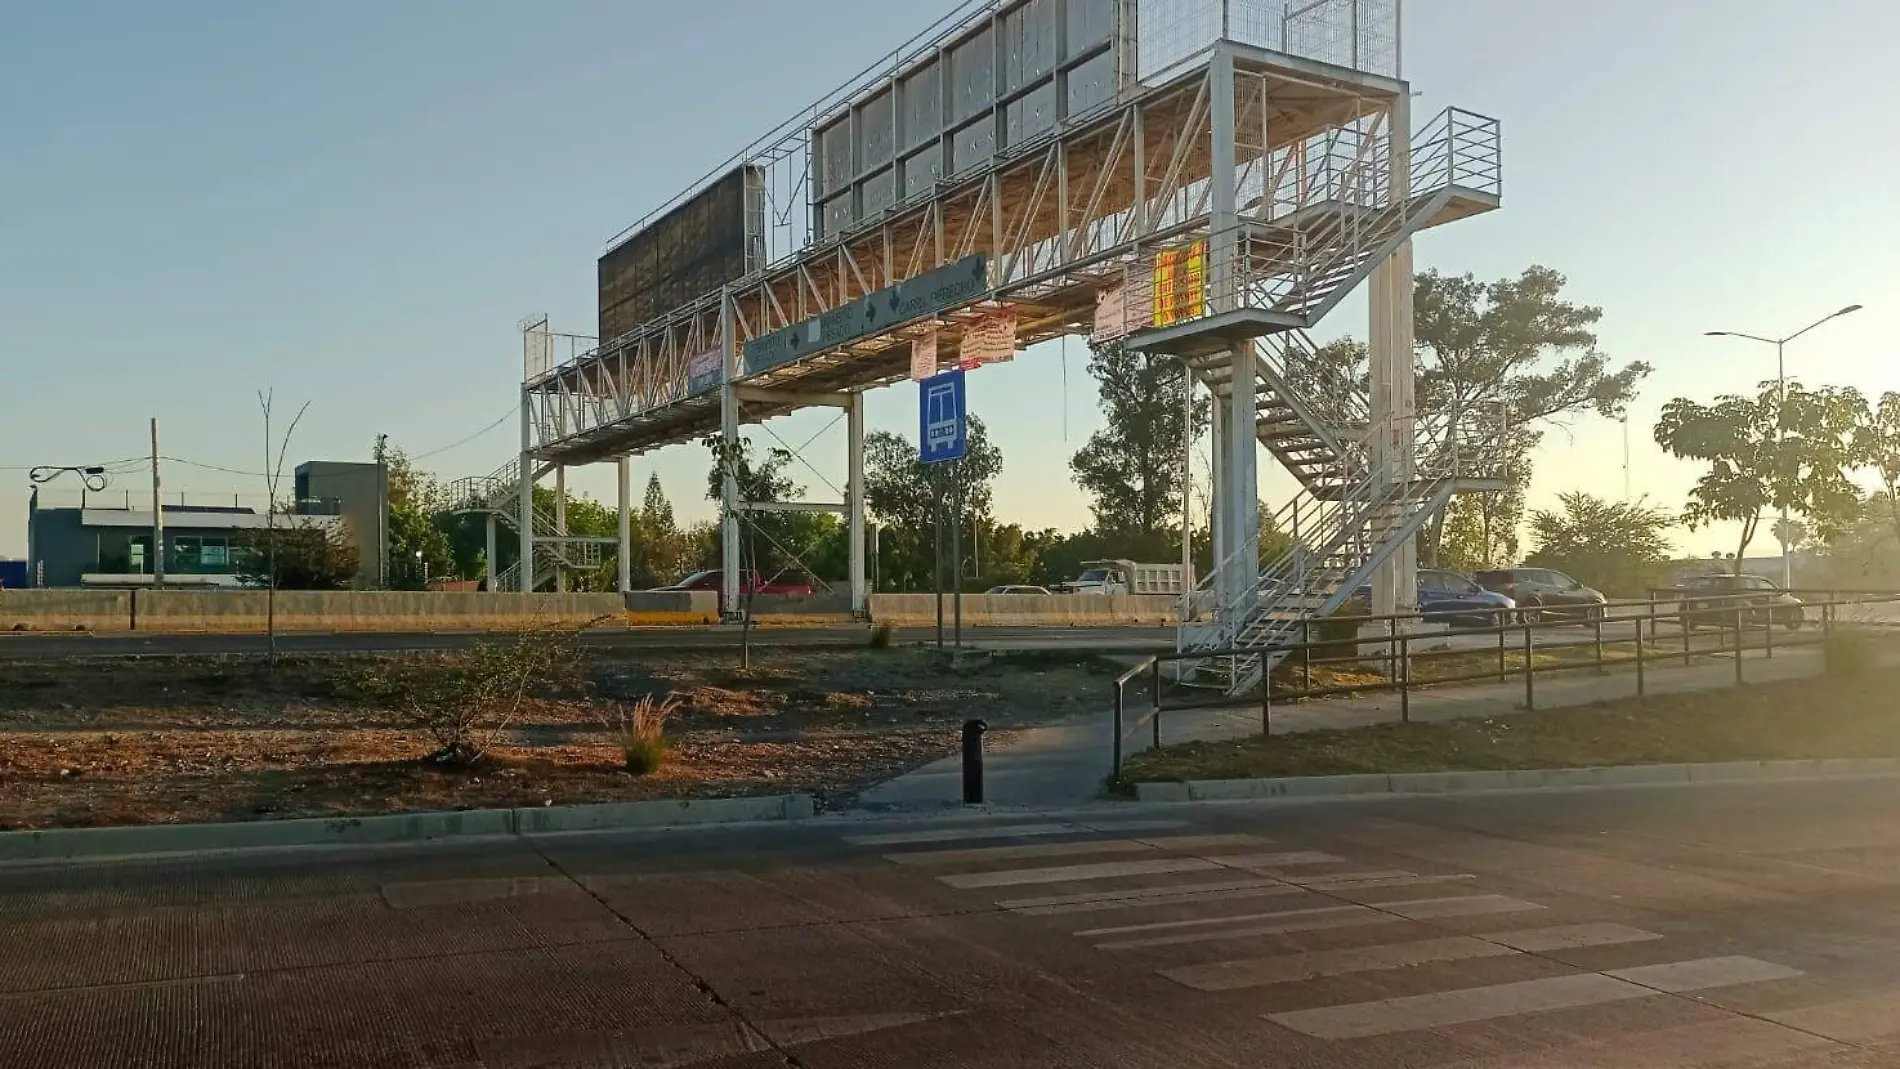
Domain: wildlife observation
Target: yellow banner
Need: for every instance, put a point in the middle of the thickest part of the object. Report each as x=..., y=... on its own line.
x=1180, y=284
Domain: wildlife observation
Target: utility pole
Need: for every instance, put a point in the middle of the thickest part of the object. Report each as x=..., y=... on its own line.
x=382, y=511
x=158, y=517
x=1626, y=457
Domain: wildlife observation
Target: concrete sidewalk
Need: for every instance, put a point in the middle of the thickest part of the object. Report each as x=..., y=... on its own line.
x=1066, y=764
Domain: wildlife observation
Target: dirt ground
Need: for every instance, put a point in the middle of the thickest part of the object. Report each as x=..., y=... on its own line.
x=183, y=740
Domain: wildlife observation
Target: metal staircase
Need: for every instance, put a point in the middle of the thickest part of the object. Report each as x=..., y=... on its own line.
x=1311, y=417
x=1348, y=521
x=1333, y=216
x=1312, y=234
x=498, y=494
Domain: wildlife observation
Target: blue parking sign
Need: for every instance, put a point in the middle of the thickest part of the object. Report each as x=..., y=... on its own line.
x=942, y=432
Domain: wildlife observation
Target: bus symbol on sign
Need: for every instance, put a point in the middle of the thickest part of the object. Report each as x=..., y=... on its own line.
x=942, y=431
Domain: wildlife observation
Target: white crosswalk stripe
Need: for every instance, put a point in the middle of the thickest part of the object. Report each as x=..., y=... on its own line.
x=1222, y=875
x=989, y=854
x=1467, y=1005
x=972, y=832
x=1298, y=920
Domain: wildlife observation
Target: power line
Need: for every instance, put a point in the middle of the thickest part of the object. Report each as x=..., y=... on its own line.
x=503, y=418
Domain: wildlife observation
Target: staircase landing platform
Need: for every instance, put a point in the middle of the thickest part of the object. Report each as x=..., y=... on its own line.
x=1217, y=333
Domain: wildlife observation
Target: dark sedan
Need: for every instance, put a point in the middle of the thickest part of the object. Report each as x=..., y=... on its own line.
x=1545, y=593
x=1454, y=600
x=1760, y=601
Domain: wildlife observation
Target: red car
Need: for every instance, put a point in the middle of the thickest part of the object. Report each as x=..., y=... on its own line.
x=749, y=584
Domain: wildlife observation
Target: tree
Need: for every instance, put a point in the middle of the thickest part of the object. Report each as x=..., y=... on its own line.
x=1481, y=530
x=1133, y=467
x=774, y=542
x=1877, y=446
x=903, y=495
x=1766, y=454
x=1513, y=354
x=1617, y=547
x=307, y=557
x=419, y=542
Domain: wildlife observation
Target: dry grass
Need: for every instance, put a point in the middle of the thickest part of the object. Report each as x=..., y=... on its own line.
x=1827, y=716
x=189, y=739
x=638, y=729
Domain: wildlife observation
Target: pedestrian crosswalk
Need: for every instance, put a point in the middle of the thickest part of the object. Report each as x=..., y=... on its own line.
x=1169, y=901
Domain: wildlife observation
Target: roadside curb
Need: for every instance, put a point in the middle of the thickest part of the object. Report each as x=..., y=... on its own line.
x=57, y=844
x=1513, y=780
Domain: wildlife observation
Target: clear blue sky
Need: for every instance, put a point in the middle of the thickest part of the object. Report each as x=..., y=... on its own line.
x=354, y=202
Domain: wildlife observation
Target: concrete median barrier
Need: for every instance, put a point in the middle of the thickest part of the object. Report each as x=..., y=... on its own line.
x=1030, y=610
x=65, y=610
x=249, y=611
x=661, y=608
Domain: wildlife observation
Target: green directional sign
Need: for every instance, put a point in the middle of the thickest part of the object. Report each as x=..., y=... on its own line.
x=941, y=290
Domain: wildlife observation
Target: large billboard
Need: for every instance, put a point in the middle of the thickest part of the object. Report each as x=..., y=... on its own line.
x=691, y=251
x=1009, y=79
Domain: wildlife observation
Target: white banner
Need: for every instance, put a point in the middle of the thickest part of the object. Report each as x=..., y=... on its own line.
x=1123, y=307
x=705, y=371
x=989, y=340
x=923, y=356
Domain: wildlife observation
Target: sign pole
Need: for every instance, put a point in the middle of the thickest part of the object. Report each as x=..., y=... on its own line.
x=942, y=439
x=937, y=570
x=956, y=550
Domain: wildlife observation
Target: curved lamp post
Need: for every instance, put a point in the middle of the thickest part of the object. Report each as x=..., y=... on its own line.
x=1781, y=399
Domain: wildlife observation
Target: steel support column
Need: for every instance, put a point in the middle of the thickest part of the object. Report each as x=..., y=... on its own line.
x=854, y=500
x=1240, y=494
x=525, y=517
x=729, y=530
x=1394, y=409
x=624, y=555
x=492, y=549
x=560, y=526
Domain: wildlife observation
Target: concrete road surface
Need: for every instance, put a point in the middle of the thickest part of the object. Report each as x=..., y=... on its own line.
x=1707, y=927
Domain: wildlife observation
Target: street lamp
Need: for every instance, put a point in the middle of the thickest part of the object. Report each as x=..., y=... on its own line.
x=92, y=475
x=1781, y=419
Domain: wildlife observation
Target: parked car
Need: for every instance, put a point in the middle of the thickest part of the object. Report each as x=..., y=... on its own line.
x=1763, y=602
x=749, y=584
x=1017, y=589
x=1454, y=600
x=1460, y=601
x=1545, y=593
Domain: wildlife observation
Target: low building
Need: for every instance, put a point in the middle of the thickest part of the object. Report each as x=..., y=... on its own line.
x=98, y=545
x=112, y=547
x=360, y=494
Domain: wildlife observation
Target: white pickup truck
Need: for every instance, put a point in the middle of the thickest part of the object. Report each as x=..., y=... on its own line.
x=1125, y=577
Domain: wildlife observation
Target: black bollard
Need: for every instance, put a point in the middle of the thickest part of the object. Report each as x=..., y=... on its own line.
x=973, y=761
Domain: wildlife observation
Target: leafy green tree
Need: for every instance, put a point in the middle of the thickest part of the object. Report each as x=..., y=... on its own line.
x=904, y=495
x=1512, y=353
x=775, y=543
x=307, y=557
x=1765, y=453
x=417, y=505
x=1618, y=547
x=1877, y=446
x=1133, y=468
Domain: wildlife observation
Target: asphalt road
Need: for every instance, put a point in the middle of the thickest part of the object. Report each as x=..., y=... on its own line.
x=1707, y=927
x=42, y=645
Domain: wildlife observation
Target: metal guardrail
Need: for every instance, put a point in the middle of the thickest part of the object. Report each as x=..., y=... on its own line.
x=1740, y=615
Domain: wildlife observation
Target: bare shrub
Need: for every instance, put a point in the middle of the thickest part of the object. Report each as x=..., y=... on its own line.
x=882, y=635
x=639, y=730
x=464, y=701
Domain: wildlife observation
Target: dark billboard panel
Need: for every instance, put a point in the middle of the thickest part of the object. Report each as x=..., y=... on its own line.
x=683, y=255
